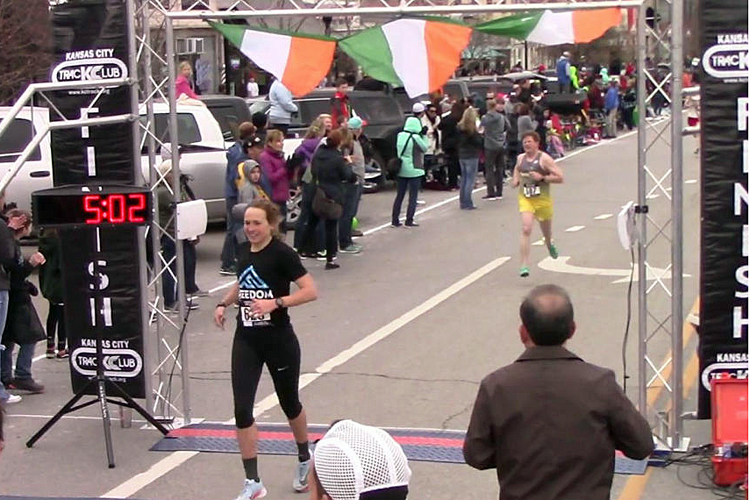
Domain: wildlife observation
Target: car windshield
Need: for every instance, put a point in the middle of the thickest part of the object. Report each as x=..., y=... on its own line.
x=484, y=88
x=15, y=139
x=187, y=127
x=309, y=110
x=454, y=90
x=228, y=119
x=378, y=110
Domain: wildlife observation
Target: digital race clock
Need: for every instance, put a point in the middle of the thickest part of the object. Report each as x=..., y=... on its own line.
x=92, y=206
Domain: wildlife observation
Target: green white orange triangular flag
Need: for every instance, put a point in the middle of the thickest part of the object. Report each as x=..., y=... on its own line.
x=299, y=61
x=420, y=54
x=555, y=28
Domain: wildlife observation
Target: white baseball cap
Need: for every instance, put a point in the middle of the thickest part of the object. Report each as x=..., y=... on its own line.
x=352, y=459
x=417, y=108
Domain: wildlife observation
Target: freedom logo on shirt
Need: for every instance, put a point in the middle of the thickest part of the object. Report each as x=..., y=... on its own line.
x=250, y=279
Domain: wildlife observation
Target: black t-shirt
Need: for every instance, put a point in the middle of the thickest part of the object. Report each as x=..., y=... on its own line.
x=266, y=275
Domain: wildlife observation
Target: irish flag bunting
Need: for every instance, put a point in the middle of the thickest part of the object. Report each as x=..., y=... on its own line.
x=299, y=61
x=555, y=28
x=420, y=54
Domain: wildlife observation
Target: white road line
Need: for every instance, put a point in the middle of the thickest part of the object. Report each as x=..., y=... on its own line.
x=652, y=196
x=175, y=459
x=222, y=287
x=691, y=181
x=420, y=212
x=538, y=243
x=603, y=217
x=574, y=229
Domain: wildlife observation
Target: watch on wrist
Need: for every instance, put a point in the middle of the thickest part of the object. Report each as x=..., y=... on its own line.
x=221, y=304
x=279, y=302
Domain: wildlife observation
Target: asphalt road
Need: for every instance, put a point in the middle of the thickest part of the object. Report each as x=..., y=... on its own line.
x=437, y=307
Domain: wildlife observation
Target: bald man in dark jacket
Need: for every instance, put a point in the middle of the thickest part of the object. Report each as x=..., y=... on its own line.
x=550, y=423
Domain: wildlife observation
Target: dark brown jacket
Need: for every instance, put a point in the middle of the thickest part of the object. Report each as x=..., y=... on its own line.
x=550, y=423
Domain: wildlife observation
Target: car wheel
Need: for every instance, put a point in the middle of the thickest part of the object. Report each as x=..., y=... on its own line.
x=375, y=184
x=293, y=208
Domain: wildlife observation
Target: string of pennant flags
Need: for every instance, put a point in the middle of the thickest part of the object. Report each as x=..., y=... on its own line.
x=419, y=54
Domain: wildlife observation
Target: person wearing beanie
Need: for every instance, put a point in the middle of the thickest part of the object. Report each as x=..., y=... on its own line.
x=358, y=462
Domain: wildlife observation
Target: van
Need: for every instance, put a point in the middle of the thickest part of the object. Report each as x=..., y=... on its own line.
x=36, y=172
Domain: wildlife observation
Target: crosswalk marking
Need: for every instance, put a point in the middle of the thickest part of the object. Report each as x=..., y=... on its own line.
x=574, y=229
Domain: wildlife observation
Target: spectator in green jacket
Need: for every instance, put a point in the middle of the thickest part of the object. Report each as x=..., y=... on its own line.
x=410, y=142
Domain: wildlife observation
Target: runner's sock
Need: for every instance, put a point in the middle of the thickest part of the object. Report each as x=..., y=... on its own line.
x=251, y=468
x=303, y=451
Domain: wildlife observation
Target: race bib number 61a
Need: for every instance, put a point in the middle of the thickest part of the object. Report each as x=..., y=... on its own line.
x=251, y=319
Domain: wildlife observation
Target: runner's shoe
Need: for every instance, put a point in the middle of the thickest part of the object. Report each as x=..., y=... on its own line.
x=300, y=483
x=553, y=251
x=252, y=489
x=524, y=272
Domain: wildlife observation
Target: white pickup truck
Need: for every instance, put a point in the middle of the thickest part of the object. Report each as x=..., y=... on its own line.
x=203, y=158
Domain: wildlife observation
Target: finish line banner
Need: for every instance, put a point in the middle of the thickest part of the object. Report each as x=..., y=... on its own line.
x=91, y=43
x=724, y=199
x=101, y=274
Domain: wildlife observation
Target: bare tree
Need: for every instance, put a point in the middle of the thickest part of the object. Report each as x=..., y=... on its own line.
x=25, y=38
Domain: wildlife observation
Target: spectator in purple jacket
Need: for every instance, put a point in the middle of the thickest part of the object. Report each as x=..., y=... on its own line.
x=273, y=164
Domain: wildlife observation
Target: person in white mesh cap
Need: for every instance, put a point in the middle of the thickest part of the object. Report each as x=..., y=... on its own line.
x=358, y=462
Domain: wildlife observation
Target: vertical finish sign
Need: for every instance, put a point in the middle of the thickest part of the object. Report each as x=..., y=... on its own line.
x=724, y=314
x=91, y=43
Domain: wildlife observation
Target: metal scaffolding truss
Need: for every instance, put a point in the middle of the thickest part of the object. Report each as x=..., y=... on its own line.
x=659, y=219
x=660, y=185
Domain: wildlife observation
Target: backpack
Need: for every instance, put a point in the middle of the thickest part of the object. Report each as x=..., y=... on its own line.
x=393, y=167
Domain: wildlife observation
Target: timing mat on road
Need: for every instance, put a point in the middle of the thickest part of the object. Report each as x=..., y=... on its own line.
x=421, y=445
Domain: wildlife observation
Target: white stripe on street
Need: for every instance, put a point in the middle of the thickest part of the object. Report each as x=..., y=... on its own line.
x=175, y=459
x=160, y=468
x=574, y=229
x=603, y=217
x=538, y=243
x=691, y=181
x=652, y=196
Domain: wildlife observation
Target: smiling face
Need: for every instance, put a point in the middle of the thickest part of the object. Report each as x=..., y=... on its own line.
x=257, y=227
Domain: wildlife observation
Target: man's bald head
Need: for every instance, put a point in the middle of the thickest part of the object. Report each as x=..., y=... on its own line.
x=547, y=315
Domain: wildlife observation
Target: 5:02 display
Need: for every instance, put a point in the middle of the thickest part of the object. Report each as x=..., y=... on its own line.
x=115, y=208
x=92, y=206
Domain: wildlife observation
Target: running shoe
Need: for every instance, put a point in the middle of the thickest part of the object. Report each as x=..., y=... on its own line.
x=12, y=399
x=300, y=483
x=252, y=489
x=524, y=272
x=351, y=249
x=397, y=224
x=331, y=265
x=411, y=224
x=227, y=271
x=553, y=251
x=62, y=354
x=50, y=352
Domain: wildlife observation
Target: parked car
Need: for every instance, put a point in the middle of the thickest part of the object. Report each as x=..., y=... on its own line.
x=203, y=151
x=382, y=112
